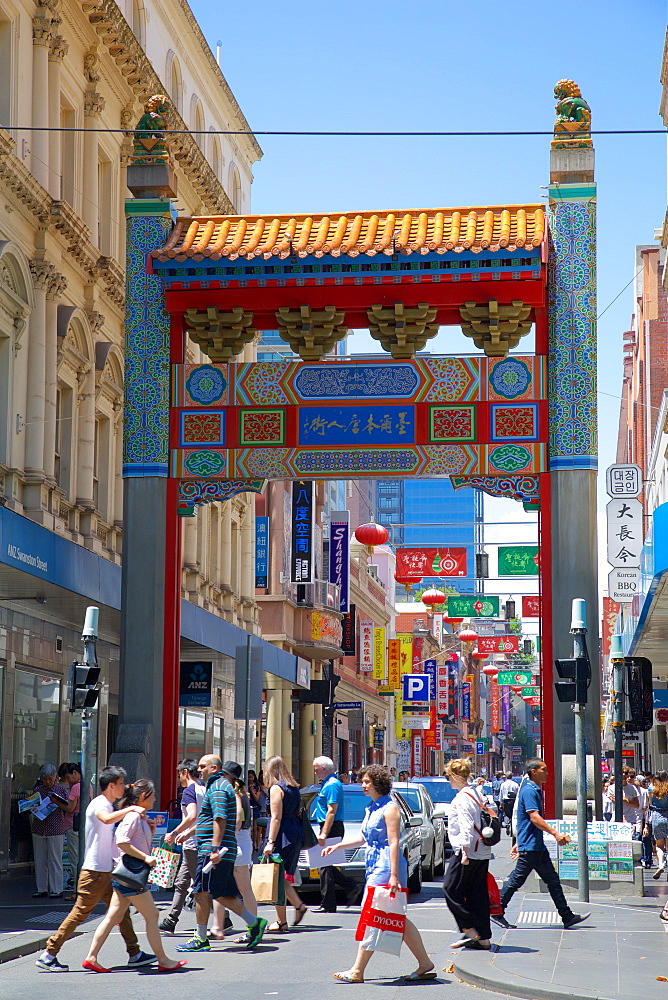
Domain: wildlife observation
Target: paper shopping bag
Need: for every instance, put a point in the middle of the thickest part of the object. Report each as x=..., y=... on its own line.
x=383, y=920
x=267, y=880
x=164, y=873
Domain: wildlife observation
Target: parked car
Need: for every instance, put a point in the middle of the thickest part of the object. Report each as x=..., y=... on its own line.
x=433, y=830
x=354, y=804
x=441, y=793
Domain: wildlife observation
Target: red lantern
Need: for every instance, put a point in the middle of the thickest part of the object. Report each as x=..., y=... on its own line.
x=371, y=534
x=408, y=582
x=468, y=634
x=516, y=688
x=490, y=669
x=433, y=596
x=477, y=655
x=453, y=621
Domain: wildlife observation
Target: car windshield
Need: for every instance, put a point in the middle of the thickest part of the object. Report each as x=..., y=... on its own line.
x=354, y=804
x=440, y=791
x=410, y=795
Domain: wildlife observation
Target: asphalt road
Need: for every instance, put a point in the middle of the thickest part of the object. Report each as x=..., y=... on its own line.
x=297, y=966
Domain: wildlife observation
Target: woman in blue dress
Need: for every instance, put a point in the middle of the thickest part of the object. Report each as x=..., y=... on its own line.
x=385, y=865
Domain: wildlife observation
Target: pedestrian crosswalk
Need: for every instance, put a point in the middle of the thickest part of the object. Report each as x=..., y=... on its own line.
x=538, y=917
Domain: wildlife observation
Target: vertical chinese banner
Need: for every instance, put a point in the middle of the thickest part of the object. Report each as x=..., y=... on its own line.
x=610, y=612
x=379, y=653
x=430, y=734
x=417, y=756
x=402, y=734
x=430, y=668
x=339, y=560
x=505, y=708
x=406, y=641
x=261, y=552
x=442, y=690
x=437, y=626
x=394, y=663
x=466, y=702
x=453, y=708
x=349, y=632
x=496, y=714
x=418, y=642
x=301, y=550
x=366, y=647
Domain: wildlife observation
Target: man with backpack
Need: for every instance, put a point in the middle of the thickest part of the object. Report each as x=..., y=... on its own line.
x=508, y=793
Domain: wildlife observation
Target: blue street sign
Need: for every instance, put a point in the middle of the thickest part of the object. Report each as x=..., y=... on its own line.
x=417, y=687
x=349, y=704
x=479, y=747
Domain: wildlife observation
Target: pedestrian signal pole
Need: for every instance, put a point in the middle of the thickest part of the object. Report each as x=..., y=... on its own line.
x=577, y=673
x=618, y=713
x=83, y=694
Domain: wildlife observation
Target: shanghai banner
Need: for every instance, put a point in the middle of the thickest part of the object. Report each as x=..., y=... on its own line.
x=418, y=563
x=339, y=559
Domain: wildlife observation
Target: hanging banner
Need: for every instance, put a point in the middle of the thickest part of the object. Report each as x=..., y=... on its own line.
x=498, y=644
x=453, y=707
x=379, y=653
x=394, y=663
x=301, y=552
x=430, y=734
x=495, y=706
x=417, y=756
x=473, y=607
x=339, y=559
x=430, y=668
x=610, y=611
x=366, y=647
x=530, y=606
x=417, y=667
x=437, y=626
x=261, y=552
x=349, y=631
x=505, y=708
x=466, y=702
x=518, y=560
x=406, y=640
x=418, y=563
x=442, y=690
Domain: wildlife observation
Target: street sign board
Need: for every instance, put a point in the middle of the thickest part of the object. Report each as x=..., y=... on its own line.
x=479, y=747
x=510, y=677
x=417, y=687
x=349, y=704
x=625, y=531
x=473, y=607
x=623, y=480
x=624, y=584
x=415, y=721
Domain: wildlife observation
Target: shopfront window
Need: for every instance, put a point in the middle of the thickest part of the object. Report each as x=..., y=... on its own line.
x=218, y=736
x=36, y=742
x=192, y=732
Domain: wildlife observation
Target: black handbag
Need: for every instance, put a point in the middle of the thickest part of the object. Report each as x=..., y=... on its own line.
x=132, y=872
x=309, y=838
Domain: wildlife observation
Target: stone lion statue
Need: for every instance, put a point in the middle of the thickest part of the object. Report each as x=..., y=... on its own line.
x=149, y=143
x=573, y=124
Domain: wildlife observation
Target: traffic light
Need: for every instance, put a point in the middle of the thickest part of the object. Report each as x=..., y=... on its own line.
x=81, y=690
x=573, y=689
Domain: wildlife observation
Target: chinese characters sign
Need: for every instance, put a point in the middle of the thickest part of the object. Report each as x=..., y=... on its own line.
x=518, y=560
x=394, y=663
x=625, y=532
x=498, y=644
x=366, y=647
x=379, y=653
x=359, y=424
x=530, y=606
x=301, y=561
x=473, y=607
x=261, y=552
x=418, y=563
x=623, y=481
x=348, y=631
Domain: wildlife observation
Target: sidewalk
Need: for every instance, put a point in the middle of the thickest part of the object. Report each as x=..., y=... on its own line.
x=616, y=955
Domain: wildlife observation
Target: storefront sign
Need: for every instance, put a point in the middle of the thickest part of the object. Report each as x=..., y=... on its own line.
x=530, y=606
x=366, y=647
x=505, y=708
x=610, y=611
x=473, y=607
x=518, y=560
x=624, y=584
x=530, y=692
x=415, y=721
x=348, y=632
x=301, y=550
x=339, y=558
x=430, y=668
x=625, y=532
x=261, y=552
x=437, y=626
x=495, y=705
x=378, y=738
x=498, y=644
x=416, y=651
x=325, y=628
x=417, y=756
x=418, y=563
x=406, y=641
x=466, y=702
x=394, y=663
x=195, y=684
x=623, y=480
x=379, y=653
x=453, y=678
x=403, y=755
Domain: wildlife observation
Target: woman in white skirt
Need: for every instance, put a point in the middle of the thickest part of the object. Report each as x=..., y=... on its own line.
x=244, y=859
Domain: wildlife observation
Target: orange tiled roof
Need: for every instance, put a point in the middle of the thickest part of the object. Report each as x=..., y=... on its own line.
x=443, y=230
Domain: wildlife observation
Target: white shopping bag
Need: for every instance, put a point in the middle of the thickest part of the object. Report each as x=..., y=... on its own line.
x=316, y=860
x=383, y=919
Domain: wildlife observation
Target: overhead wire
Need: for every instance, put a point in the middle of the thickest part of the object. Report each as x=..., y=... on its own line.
x=323, y=133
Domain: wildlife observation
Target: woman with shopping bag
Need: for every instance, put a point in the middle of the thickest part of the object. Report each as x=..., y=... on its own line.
x=285, y=835
x=383, y=923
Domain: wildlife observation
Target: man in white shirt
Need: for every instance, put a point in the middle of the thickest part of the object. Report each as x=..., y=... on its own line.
x=630, y=801
x=95, y=880
x=508, y=793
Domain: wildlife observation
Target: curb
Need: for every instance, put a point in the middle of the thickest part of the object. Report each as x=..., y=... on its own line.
x=486, y=978
x=22, y=945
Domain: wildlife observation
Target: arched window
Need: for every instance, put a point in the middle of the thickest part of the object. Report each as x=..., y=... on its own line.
x=175, y=81
x=216, y=157
x=198, y=124
x=139, y=21
x=234, y=187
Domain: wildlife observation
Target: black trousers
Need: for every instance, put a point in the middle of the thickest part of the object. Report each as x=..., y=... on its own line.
x=467, y=896
x=331, y=876
x=541, y=863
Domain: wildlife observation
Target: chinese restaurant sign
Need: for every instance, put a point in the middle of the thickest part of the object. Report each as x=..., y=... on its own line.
x=418, y=563
x=366, y=647
x=301, y=560
x=261, y=551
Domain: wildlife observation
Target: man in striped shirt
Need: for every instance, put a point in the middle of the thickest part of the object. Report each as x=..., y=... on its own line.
x=217, y=845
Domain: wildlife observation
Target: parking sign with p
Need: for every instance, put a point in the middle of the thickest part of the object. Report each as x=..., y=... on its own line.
x=417, y=687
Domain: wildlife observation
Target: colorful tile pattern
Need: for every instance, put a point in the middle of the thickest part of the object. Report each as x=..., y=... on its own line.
x=202, y=428
x=510, y=423
x=572, y=328
x=452, y=423
x=262, y=427
x=523, y=488
x=194, y=492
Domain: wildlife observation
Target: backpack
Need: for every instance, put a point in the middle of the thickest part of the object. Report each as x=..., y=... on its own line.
x=490, y=820
x=511, y=794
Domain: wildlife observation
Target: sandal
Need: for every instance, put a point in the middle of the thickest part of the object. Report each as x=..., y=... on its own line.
x=663, y=915
x=300, y=913
x=343, y=977
x=413, y=977
x=277, y=928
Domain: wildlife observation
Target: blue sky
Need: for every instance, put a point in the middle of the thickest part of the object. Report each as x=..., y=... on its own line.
x=436, y=64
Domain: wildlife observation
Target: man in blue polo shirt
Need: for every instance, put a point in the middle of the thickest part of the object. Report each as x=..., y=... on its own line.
x=328, y=812
x=530, y=849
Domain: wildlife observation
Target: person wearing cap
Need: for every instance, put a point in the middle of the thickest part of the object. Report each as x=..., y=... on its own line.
x=217, y=843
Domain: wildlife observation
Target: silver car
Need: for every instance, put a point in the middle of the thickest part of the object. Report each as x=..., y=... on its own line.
x=354, y=804
x=441, y=793
x=433, y=830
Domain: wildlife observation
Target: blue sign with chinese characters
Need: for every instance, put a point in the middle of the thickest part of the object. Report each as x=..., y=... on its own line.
x=430, y=669
x=341, y=425
x=262, y=551
x=301, y=556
